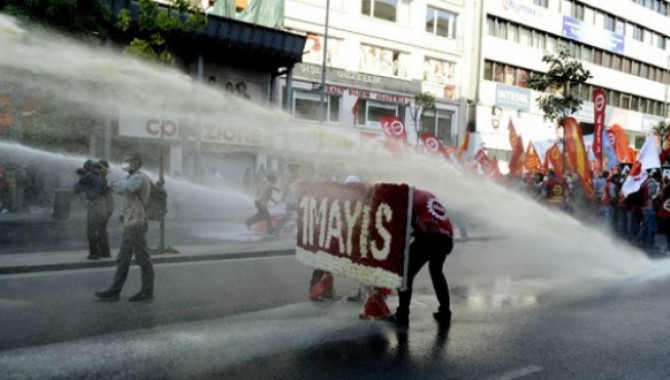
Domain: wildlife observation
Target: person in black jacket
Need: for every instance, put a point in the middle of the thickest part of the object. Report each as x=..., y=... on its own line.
x=92, y=184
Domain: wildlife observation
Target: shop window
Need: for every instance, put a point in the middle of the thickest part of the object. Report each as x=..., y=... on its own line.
x=381, y=9
x=441, y=23
x=440, y=124
x=306, y=106
x=369, y=111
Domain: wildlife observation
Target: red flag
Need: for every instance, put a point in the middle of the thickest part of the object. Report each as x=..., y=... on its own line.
x=599, y=104
x=464, y=145
x=574, y=146
x=554, y=157
x=393, y=128
x=495, y=173
x=532, y=163
x=432, y=144
x=484, y=162
x=516, y=162
x=647, y=159
x=619, y=141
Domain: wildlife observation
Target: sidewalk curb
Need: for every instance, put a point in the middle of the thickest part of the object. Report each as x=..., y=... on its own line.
x=169, y=258
x=160, y=259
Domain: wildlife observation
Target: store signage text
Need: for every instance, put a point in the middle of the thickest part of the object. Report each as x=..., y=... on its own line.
x=513, y=97
x=367, y=94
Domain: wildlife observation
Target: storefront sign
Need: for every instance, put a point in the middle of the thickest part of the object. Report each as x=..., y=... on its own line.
x=575, y=29
x=356, y=79
x=513, y=97
x=174, y=128
x=367, y=94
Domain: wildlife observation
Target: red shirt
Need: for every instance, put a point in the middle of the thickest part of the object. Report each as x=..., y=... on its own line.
x=428, y=214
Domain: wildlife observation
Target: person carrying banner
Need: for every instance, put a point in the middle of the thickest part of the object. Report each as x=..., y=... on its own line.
x=554, y=190
x=432, y=242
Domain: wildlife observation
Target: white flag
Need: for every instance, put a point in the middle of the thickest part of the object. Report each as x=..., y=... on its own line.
x=648, y=158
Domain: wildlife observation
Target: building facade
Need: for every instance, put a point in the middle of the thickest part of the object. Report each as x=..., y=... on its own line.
x=379, y=55
x=624, y=44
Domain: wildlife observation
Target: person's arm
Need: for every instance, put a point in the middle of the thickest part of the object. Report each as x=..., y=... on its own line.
x=127, y=186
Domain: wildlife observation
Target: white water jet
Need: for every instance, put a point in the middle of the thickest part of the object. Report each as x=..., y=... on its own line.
x=546, y=246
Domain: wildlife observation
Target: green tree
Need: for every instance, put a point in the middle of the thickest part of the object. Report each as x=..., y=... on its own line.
x=421, y=103
x=662, y=129
x=560, y=85
x=79, y=18
x=155, y=27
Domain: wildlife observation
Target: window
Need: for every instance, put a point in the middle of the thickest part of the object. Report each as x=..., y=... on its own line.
x=440, y=123
x=624, y=101
x=538, y=40
x=491, y=26
x=638, y=32
x=382, y=61
x=369, y=112
x=501, y=29
x=609, y=23
x=598, y=57
x=525, y=36
x=499, y=73
x=541, y=3
x=577, y=11
x=438, y=71
x=510, y=75
x=607, y=59
x=552, y=44
x=441, y=23
x=587, y=53
x=512, y=32
x=626, y=65
x=660, y=42
x=381, y=9
x=488, y=70
x=306, y=106
x=616, y=62
x=644, y=70
x=620, y=26
x=521, y=77
x=635, y=68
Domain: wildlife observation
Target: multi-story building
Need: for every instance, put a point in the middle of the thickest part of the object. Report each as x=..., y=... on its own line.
x=624, y=44
x=380, y=54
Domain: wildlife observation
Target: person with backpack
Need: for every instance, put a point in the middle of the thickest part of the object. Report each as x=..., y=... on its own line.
x=136, y=187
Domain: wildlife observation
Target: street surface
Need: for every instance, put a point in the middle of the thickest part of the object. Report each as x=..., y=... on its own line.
x=251, y=319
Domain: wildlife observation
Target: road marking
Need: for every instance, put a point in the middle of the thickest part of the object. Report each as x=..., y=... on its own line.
x=517, y=373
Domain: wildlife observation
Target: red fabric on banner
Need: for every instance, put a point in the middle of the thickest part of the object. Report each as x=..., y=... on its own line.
x=599, y=105
x=574, y=145
x=516, y=162
x=393, y=128
x=532, y=163
x=464, y=145
x=555, y=158
x=433, y=145
x=357, y=230
x=619, y=140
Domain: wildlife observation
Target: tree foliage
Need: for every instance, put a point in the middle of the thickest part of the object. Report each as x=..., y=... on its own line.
x=156, y=26
x=80, y=18
x=422, y=103
x=560, y=85
x=662, y=129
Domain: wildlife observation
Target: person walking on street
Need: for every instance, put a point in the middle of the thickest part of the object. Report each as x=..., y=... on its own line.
x=136, y=188
x=263, y=197
x=92, y=184
x=433, y=241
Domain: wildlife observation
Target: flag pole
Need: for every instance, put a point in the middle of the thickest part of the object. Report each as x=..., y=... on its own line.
x=408, y=235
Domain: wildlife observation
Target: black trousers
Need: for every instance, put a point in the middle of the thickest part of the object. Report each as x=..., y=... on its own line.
x=261, y=214
x=432, y=249
x=134, y=243
x=96, y=230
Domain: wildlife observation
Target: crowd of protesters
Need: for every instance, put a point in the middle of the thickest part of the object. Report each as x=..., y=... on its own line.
x=24, y=185
x=635, y=218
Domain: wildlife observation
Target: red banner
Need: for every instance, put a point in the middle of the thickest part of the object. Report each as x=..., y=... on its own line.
x=574, y=146
x=433, y=145
x=358, y=230
x=393, y=128
x=599, y=104
x=516, y=161
x=555, y=158
x=464, y=145
x=487, y=166
x=619, y=141
x=533, y=163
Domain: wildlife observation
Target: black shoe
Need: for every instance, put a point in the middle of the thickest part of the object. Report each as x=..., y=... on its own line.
x=92, y=257
x=141, y=297
x=398, y=321
x=107, y=296
x=443, y=318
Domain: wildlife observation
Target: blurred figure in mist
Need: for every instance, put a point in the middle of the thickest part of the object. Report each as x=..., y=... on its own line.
x=136, y=187
x=264, y=195
x=92, y=185
x=663, y=216
x=246, y=180
x=608, y=200
x=290, y=196
x=261, y=176
x=3, y=189
x=650, y=190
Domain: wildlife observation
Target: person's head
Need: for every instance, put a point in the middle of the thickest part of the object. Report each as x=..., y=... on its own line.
x=605, y=174
x=132, y=161
x=551, y=174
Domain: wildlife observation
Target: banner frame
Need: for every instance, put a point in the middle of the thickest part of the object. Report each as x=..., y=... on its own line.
x=408, y=235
